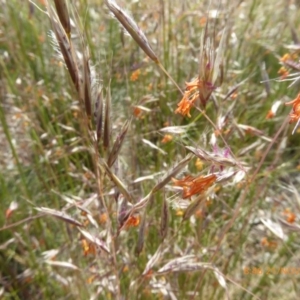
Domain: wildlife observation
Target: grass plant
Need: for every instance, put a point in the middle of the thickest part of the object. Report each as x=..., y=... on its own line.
x=149, y=149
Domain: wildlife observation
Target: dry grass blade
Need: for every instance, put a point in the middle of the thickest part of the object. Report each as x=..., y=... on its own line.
x=63, y=264
x=210, y=64
x=63, y=14
x=190, y=263
x=219, y=58
x=153, y=146
x=118, y=144
x=183, y=264
x=127, y=211
x=107, y=121
x=98, y=114
x=6, y=244
x=58, y=214
x=141, y=204
x=275, y=228
x=94, y=240
x=193, y=207
x=175, y=129
x=220, y=278
x=172, y=173
x=230, y=174
x=214, y=158
x=289, y=226
x=123, y=212
x=254, y=131
x=65, y=48
x=131, y=27
x=153, y=260
x=164, y=220
x=141, y=237
x=87, y=85
x=119, y=184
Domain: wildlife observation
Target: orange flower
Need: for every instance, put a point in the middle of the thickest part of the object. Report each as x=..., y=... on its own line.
x=137, y=112
x=91, y=279
x=179, y=212
x=183, y=182
x=265, y=242
x=199, y=164
x=272, y=112
x=135, y=75
x=191, y=94
x=12, y=207
x=270, y=115
x=194, y=85
x=167, y=138
x=202, y=21
x=283, y=72
x=125, y=269
x=195, y=185
x=88, y=248
x=290, y=216
x=184, y=107
x=234, y=95
x=132, y=221
x=295, y=115
x=285, y=57
x=199, y=213
x=103, y=218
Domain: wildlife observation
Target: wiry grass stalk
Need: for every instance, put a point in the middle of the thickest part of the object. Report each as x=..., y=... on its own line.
x=83, y=87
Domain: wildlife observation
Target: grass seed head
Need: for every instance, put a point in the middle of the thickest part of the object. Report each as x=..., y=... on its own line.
x=107, y=120
x=118, y=144
x=63, y=14
x=87, y=83
x=98, y=114
x=132, y=28
x=65, y=48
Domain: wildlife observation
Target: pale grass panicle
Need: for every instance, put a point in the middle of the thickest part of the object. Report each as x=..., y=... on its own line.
x=132, y=28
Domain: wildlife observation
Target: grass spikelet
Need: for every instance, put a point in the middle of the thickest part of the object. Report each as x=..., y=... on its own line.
x=210, y=65
x=59, y=214
x=154, y=259
x=132, y=28
x=164, y=220
x=98, y=114
x=193, y=207
x=95, y=240
x=137, y=34
x=107, y=121
x=119, y=184
x=118, y=144
x=123, y=211
x=63, y=14
x=87, y=85
x=141, y=237
x=65, y=48
x=172, y=173
x=213, y=158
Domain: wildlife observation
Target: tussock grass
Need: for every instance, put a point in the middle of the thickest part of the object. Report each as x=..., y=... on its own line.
x=153, y=159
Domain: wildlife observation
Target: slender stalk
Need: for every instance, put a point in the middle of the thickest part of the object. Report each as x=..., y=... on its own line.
x=102, y=203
